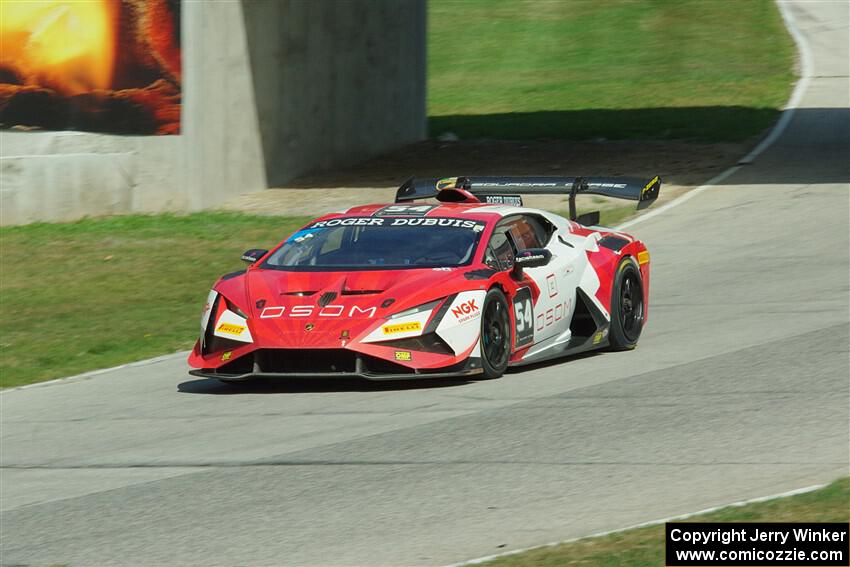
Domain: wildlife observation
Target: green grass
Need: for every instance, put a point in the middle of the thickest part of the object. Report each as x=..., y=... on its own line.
x=96, y=293
x=644, y=547
x=580, y=69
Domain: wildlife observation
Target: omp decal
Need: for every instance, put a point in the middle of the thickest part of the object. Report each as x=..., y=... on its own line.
x=310, y=310
x=552, y=284
x=226, y=356
x=401, y=328
x=597, y=338
x=524, y=313
x=405, y=355
x=404, y=210
x=466, y=311
x=446, y=183
x=643, y=257
x=231, y=329
x=552, y=315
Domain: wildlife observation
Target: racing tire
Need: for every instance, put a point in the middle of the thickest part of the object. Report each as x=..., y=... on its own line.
x=627, y=308
x=495, y=334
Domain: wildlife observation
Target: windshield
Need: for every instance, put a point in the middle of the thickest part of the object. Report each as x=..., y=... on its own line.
x=362, y=243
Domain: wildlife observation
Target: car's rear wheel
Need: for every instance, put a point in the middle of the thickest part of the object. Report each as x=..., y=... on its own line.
x=627, y=307
x=495, y=334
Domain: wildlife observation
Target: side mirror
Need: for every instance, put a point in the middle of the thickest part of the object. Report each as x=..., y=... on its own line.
x=530, y=258
x=254, y=254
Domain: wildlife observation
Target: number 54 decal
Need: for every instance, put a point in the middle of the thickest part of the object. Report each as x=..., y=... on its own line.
x=524, y=312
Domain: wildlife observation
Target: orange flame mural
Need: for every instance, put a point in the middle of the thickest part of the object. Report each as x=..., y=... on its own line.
x=67, y=46
x=100, y=65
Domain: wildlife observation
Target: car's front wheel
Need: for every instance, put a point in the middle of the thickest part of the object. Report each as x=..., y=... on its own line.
x=495, y=334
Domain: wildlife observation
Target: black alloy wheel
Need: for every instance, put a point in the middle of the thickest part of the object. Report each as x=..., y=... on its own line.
x=495, y=334
x=626, y=307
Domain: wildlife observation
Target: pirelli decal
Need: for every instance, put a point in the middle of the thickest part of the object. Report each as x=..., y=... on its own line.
x=402, y=328
x=231, y=329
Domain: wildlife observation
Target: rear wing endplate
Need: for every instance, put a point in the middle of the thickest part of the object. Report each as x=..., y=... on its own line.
x=467, y=189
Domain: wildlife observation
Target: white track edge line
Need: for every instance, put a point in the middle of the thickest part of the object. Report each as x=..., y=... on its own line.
x=93, y=373
x=736, y=504
x=799, y=89
x=788, y=111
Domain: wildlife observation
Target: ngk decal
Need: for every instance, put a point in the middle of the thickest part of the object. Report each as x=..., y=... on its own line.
x=461, y=324
x=466, y=311
x=310, y=310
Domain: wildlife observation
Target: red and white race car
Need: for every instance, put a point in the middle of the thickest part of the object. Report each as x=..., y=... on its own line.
x=465, y=286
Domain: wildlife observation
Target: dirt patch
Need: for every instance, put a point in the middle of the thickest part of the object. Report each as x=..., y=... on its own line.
x=681, y=166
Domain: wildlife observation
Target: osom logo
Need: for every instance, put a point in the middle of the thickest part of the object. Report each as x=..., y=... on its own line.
x=309, y=310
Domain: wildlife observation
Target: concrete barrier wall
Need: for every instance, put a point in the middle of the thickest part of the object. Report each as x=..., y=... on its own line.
x=52, y=176
x=338, y=81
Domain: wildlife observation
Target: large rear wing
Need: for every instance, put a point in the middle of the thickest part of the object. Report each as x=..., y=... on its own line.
x=472, y=189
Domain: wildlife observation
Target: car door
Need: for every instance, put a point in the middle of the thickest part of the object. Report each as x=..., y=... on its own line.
x=547, y=318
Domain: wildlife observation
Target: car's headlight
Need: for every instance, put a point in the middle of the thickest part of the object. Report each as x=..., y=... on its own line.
x=418, y=309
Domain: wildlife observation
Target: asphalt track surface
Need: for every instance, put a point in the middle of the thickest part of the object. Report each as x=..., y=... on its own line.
x=738, y=389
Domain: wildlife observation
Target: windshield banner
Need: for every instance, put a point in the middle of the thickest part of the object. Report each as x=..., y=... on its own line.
x=477, y=226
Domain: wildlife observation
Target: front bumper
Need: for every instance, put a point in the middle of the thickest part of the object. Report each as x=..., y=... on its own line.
x=209, y=373
x=331, y=363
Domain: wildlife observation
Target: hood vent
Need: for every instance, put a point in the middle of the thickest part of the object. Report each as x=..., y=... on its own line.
x=298, y=293
x=327, y=297
x=362, y=291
